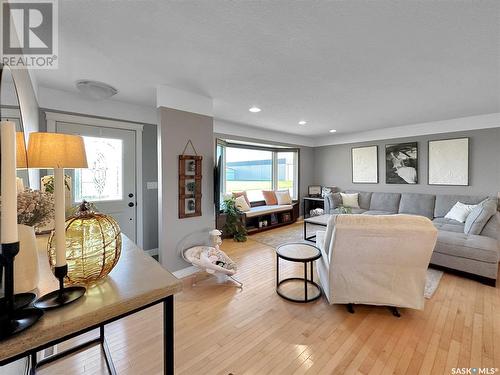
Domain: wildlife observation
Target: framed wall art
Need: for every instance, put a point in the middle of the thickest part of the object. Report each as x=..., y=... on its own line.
x=401, y=163
x=364, y=165
x=189, y=184
x=449, y=162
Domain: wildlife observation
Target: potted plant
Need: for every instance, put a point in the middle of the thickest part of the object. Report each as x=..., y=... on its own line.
x=233, y=226
x=343, y=210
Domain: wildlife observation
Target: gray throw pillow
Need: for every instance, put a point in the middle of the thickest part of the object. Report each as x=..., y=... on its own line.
x=336, y=200
x=479, y=216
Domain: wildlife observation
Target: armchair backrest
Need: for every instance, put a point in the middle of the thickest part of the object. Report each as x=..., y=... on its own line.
x=379, y=260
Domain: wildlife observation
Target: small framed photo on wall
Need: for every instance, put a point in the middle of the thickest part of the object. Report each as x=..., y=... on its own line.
x=449, y=162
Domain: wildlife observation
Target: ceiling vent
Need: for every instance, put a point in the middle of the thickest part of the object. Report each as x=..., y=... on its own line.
x=95, y=90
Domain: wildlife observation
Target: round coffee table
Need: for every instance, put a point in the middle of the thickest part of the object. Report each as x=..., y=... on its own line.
x=302, y=253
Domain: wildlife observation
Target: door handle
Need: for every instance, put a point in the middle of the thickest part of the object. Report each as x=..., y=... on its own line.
x=130, y=204
x=130, y=195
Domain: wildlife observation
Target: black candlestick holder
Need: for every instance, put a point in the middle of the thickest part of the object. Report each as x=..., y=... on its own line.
x=63, y=295
x=14, y=316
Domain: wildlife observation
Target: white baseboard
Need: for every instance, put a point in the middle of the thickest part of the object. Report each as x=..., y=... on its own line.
x=152, y=252
x=185, y=272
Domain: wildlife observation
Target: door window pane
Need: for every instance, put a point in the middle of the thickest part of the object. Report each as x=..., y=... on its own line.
x=103, y=179
x=287, y=175
x=250, y=171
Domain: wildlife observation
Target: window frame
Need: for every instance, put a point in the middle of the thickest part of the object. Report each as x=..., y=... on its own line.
x=275, y=151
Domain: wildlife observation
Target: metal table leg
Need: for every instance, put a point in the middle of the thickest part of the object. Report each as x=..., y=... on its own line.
x=168, y=335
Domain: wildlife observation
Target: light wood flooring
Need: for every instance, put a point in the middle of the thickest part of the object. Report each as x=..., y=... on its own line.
x=222, y=330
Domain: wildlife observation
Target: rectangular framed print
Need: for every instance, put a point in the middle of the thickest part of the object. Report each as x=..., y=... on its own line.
x=364, y=165
x=401, y=163
x=449, y=162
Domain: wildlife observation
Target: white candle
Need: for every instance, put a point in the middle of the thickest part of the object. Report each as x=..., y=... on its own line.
x=60, y=217
x=8, y=187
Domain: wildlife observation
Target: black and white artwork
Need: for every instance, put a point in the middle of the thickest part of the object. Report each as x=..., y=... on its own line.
x=449, y=162
x=190, y=207
x=401, y=163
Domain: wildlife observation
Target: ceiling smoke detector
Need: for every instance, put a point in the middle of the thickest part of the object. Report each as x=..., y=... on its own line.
x=95, y=90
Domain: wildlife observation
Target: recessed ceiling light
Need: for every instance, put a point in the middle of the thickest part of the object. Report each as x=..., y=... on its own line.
x=254, y=109
x=302, y=122
x=332, y=131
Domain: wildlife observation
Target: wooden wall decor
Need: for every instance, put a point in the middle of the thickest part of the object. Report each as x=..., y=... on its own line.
x=189, y=184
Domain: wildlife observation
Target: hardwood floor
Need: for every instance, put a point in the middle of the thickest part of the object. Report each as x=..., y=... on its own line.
x=222, y=330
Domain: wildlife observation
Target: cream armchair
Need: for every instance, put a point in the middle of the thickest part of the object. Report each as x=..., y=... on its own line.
x=375, y=260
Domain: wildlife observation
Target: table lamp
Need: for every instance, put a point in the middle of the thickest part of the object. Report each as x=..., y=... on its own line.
x=14, y=316
x=58, y=151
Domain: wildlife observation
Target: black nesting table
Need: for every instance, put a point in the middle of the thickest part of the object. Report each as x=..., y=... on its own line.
x=301, y=253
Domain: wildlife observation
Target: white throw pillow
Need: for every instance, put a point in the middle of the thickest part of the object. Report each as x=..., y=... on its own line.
x=241, y=204
x=460, y=211
x=283, y=197
x=350, y=200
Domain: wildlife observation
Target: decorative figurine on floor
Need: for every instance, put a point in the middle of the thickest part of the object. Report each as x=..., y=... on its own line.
x=211, y=259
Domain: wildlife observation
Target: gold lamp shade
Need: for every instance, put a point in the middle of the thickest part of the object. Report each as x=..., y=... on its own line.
x=93, y=246
x=20, y=151
x=55, y=150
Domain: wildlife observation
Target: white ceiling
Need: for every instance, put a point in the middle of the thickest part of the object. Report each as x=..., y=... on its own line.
x=352, y=66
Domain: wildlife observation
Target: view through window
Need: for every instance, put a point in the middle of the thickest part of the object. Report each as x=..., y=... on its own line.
x=254, y=170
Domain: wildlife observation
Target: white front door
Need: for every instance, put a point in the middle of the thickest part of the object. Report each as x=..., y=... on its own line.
x=110, y=180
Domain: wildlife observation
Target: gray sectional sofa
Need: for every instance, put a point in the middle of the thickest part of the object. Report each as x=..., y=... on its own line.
x=475, y=254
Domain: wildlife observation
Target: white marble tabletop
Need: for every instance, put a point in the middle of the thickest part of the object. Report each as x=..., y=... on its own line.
x=136, y=281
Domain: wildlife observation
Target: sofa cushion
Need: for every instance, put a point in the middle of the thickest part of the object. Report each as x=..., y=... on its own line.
x=350, y=200
x=353, y=211
x=283, y=197
x=241, y=193
x=417, y=204
x=460, y=211
x=241, y=204
x=444, y=203
x=479, y=216
x=263, y=210
x=385, y=202
x=481, y=248
x=334, y=200
x=492, y=227
x=270, y=197
x=364, y=198
x=449, y=225
x=375, y=212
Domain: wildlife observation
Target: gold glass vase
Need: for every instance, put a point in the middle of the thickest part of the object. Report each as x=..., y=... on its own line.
x=93, y=246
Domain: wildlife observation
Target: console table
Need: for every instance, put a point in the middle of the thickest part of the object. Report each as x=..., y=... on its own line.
x=136, y=283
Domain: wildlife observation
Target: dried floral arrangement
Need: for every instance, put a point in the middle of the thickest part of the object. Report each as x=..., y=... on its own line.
x=35, y=208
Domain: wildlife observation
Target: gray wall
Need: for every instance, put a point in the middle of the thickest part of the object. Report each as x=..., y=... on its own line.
x=333, y=165
x=306, y=171
x=150, y=196
x=174, y=130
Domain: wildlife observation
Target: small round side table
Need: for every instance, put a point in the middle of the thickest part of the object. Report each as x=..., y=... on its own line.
x=302, y=253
